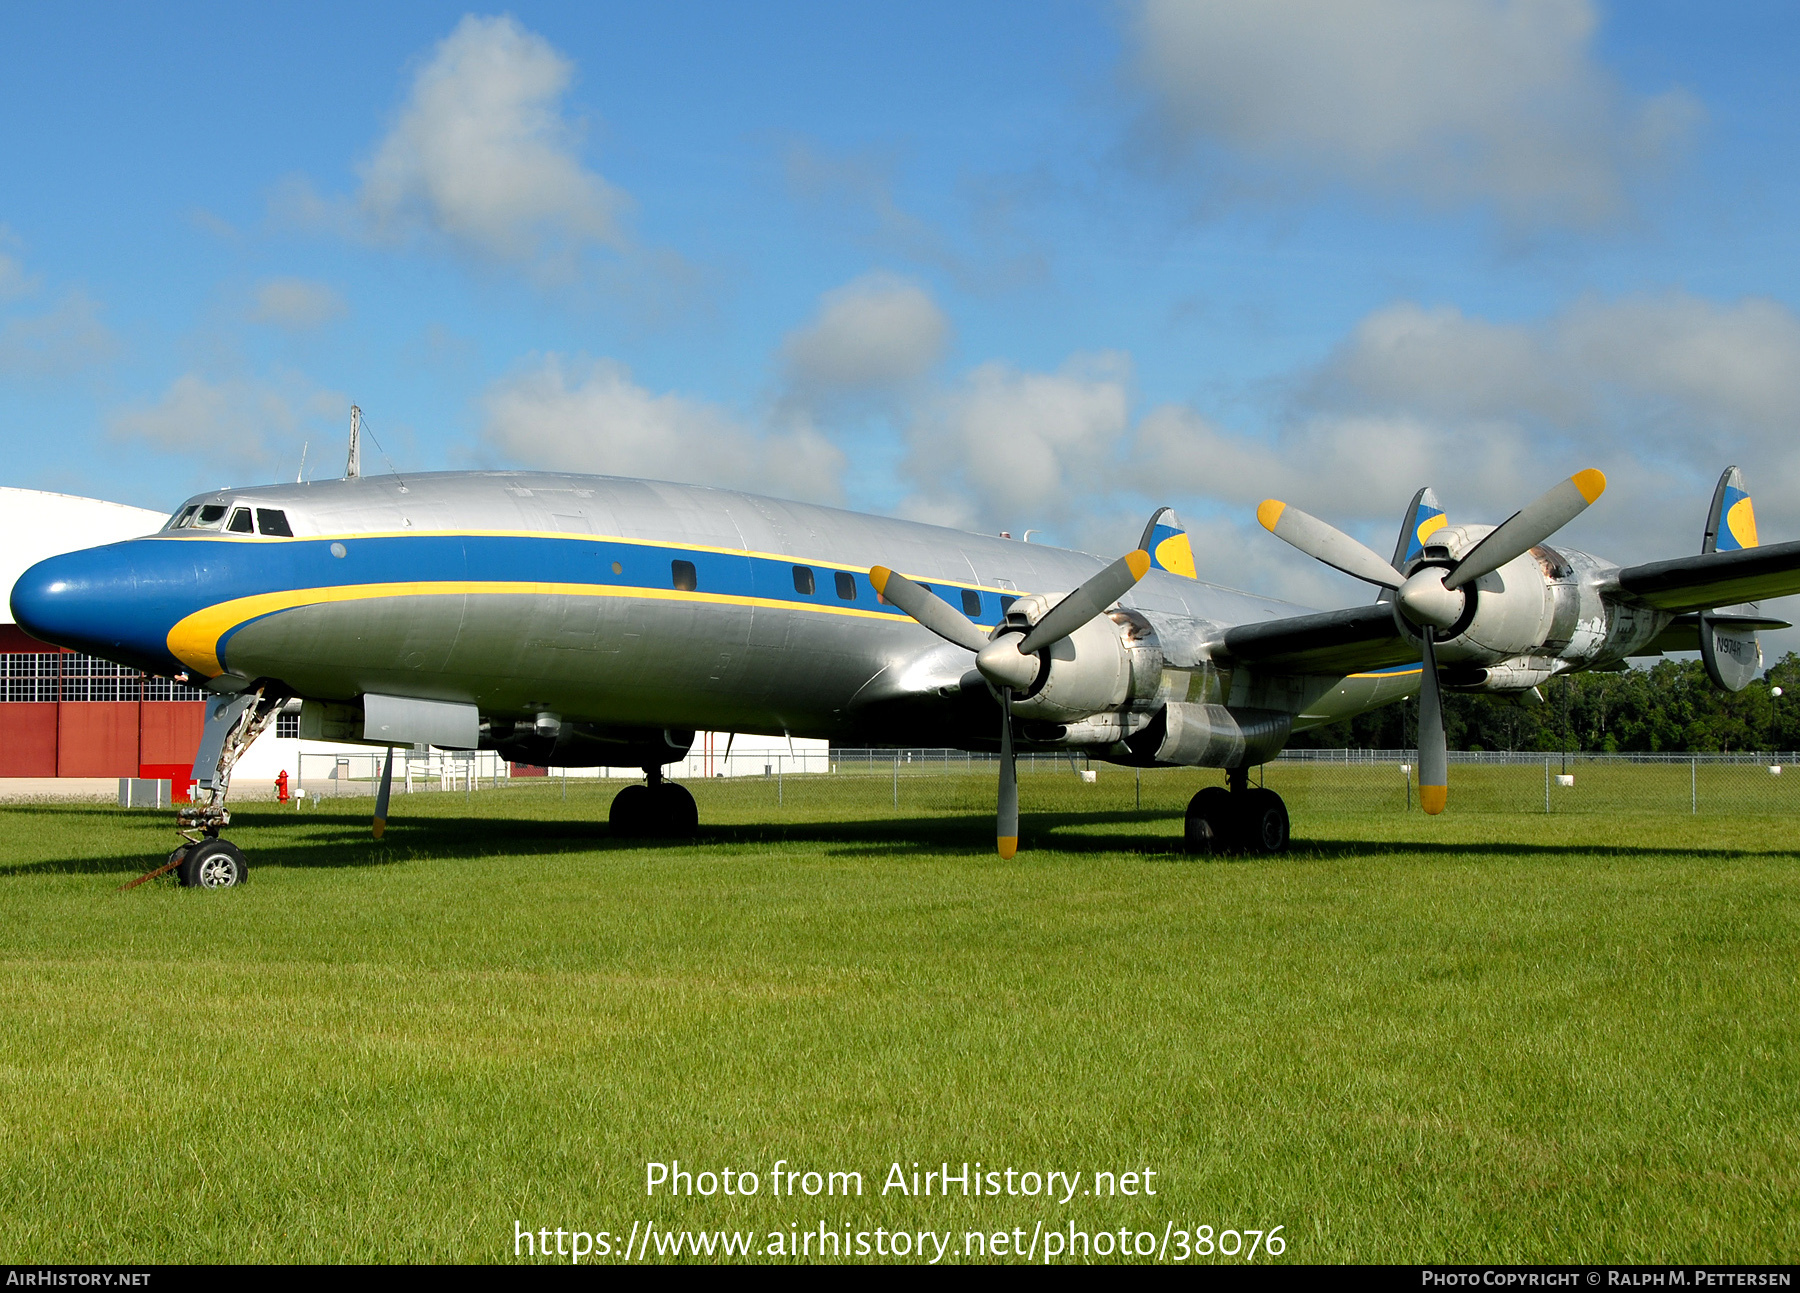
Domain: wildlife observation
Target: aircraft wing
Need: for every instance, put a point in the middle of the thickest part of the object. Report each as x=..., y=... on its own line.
x=1683, y=632
x=1340, y=642
x=1715, y=578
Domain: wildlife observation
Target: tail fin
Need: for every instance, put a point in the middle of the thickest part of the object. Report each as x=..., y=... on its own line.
x=1732, y=654
x=1423, y=519
x=1166, y=540
x=1731, y=525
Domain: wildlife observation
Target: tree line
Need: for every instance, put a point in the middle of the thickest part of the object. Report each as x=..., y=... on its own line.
x=1670, y=706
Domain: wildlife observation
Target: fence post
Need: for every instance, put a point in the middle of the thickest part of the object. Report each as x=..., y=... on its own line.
x=1546, y=783
x=896, y=778
x=1694, y=786
x=1140, y=788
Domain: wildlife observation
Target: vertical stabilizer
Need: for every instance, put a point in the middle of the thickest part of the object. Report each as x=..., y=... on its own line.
x=1166, y=540
x=1423, y=518
x=1731, y=525
x=1732, y=654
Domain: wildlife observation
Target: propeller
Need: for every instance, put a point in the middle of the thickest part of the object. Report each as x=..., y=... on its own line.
x=1432, y=598
x=1009, y=659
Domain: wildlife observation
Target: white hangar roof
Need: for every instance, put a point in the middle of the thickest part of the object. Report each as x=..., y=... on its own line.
x=35, y=524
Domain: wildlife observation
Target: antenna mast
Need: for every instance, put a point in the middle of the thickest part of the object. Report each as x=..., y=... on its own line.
x=353, y=468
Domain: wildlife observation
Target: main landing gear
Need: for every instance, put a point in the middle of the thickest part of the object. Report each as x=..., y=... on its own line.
x=658, y=809
x=1241, y=819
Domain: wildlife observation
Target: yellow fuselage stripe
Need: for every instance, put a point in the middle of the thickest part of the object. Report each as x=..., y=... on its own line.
x=195, y=639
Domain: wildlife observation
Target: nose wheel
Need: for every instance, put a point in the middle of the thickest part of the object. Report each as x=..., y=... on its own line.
x=1239, y=820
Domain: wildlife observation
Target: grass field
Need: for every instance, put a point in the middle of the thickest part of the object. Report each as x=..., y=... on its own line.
x=1483, y=1037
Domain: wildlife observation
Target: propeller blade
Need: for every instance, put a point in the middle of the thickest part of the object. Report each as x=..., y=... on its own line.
x=1091, y=599
x=1007, y=819
x=1434, y=779
x=928, y=609
x=1325, y=543
x=1529, y=526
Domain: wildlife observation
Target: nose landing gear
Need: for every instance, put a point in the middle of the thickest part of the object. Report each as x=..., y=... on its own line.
x=205, y=861
x=1238, y=820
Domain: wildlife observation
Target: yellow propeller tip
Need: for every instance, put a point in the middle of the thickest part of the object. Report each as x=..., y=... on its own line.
x=1591, y=483
x=1433, y=798
x=1269, y=513
x=1139, y=561
x=380, y=827
x=878, y=575
x=1009, y=845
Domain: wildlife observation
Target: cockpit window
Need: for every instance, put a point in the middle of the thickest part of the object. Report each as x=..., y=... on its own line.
x=270, y=521
x=210, y=516
x=182, y=517
x=240, y=522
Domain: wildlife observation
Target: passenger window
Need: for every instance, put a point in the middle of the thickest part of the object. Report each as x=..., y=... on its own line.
x=240, y=522
x=846, y=585
x=210, y=516
x=272, y=522
x=682, y=572
x=1006, y=605
x=185, y=515
x=971, y=603
x=803, y=580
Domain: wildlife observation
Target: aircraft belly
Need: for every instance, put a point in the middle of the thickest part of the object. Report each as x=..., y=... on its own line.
x=337, y=650
x=1338, y=699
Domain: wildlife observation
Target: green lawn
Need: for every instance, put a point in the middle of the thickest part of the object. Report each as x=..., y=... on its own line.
x=1483, y=1037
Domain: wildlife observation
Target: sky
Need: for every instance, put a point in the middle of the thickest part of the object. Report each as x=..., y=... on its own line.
x=1037, y=266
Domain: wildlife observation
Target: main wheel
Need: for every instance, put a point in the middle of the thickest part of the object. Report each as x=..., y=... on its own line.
x=1265, y=822
x=674, y=814
x=630, y=812
x=1211, y=822
x=213, y=864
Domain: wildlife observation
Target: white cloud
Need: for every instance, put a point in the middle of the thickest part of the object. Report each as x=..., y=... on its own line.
x=66, y=338
x=297, y=304
x=874, y=333
x=249, y=422
x=14, y=281
x=1449, y=101
x=1003, y=444
x=484, y=155
x=590, y=416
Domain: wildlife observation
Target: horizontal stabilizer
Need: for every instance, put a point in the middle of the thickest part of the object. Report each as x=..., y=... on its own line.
x=1683, y=633
x=1712, y=579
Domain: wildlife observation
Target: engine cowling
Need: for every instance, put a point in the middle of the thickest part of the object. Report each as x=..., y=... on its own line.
x=1507, y=612
x=1106, y=665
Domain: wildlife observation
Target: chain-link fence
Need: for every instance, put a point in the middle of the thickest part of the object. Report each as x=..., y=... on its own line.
x=1311, y=781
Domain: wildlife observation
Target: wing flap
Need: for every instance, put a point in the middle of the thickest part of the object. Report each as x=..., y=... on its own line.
x=1342, y=642
x=1712, y=579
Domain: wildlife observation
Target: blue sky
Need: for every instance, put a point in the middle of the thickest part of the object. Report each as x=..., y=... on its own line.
x=999, y=266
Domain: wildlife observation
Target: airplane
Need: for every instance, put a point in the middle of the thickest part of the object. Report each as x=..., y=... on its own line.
x=576, y=620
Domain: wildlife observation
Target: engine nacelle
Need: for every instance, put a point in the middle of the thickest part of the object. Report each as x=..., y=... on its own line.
x=1508, y=612
x=1110, y=663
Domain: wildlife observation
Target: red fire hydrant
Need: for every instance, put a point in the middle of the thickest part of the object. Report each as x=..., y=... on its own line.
x=281, y=793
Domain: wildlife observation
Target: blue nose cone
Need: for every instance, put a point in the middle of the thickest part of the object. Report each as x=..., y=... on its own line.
x=110, y=602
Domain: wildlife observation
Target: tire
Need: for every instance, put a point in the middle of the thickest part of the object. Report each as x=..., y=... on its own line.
x=1211, y=822
x=630, y=812
x=1265, y=822
x=213, y=864
x=674, y=813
